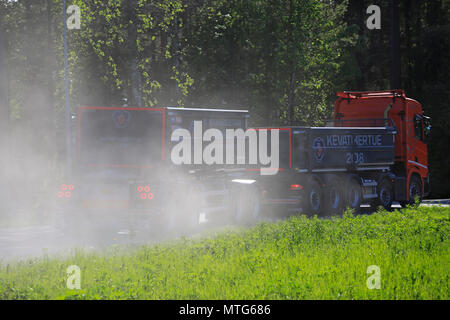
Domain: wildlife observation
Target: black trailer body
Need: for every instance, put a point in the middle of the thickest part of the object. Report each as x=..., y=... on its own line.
x=325, y=169
x=123, y=166
x=115, y=143
x=327, y=149
x=140, y=138
x=219, y=119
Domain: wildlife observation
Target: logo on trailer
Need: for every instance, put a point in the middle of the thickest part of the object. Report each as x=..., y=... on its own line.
x=318, y=149
x=121, y=118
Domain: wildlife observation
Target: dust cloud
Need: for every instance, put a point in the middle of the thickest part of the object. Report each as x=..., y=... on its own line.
x=105, y=206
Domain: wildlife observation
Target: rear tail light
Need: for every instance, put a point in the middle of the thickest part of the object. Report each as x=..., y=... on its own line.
x=65, y=190
x=296, y=187
x=144, y=192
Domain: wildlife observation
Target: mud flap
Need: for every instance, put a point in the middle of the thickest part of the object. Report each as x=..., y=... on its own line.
x=400, y=188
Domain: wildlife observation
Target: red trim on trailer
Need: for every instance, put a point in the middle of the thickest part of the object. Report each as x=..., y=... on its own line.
x=122, y=108
x=259, y=169
x=119, y=165
x=290, y=149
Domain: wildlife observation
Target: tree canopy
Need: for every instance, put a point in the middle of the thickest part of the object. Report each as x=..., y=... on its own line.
x=284, y=60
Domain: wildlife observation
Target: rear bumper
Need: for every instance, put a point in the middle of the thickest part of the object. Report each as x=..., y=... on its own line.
x=290, y=204
x=95, y=204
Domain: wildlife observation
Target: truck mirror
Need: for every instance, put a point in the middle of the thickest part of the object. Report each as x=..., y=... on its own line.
x=427, y=132
x=427, y=128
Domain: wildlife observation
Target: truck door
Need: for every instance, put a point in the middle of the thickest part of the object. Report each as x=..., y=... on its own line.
x=418, y=148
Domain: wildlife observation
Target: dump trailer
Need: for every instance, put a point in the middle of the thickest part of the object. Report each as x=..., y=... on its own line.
x=328, y=168
x=123, y=167
x=374, y=151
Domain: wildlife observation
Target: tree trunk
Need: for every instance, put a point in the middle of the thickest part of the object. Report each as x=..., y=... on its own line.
x=292, y=63
x=395, y=47
x=134, y=96
x=291, y=99
x=176, y=56
x=51, y=120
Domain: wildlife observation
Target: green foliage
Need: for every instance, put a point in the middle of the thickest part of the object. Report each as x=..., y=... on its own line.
x=283, y=60
x=301, y=258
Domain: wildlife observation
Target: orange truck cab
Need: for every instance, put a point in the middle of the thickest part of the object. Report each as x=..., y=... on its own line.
x=413, y=131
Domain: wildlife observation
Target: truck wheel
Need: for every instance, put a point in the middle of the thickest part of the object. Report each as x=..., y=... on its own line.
x=186, y=214
x=385, y=195
x=163, y=224
x=192, y=219
x=353, y=195
x=248, y=206
x=314, y=199
x=189, y=223
x=415, y=191
x=334, y=197
x=193, y=206
x=166, y=222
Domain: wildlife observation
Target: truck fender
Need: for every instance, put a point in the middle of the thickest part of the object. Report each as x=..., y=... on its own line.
x=331, y=177
x=350, y=177
x=321, y=180
x=386, y=176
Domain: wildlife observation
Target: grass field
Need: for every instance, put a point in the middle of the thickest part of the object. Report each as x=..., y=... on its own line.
x=300, y=258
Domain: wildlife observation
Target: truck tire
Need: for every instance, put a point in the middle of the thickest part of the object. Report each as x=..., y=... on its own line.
x=189, y=223
x=186, y=213
x=248, y=206
x=415, y=191
x=314, y=202
x=385, y=195
x=353, y=198
x=162, y=224
x=334, y=197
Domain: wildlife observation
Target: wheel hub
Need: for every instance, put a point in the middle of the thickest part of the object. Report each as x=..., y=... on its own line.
x=385, y=197
x=314, y=199
x=334, y=195
x=354, y=197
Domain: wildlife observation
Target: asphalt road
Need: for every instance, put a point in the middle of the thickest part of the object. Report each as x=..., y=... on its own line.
x=37, y=241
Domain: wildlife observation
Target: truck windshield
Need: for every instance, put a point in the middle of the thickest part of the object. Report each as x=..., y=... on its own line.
x=418, y=127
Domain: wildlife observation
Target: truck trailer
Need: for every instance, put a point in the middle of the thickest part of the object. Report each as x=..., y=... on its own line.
x=123, y=169
x=374, y=151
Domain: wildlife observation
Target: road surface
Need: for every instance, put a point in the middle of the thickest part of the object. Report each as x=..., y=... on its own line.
x=36, y=241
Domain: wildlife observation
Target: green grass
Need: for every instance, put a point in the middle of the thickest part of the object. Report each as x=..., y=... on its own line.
x=300, y=258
